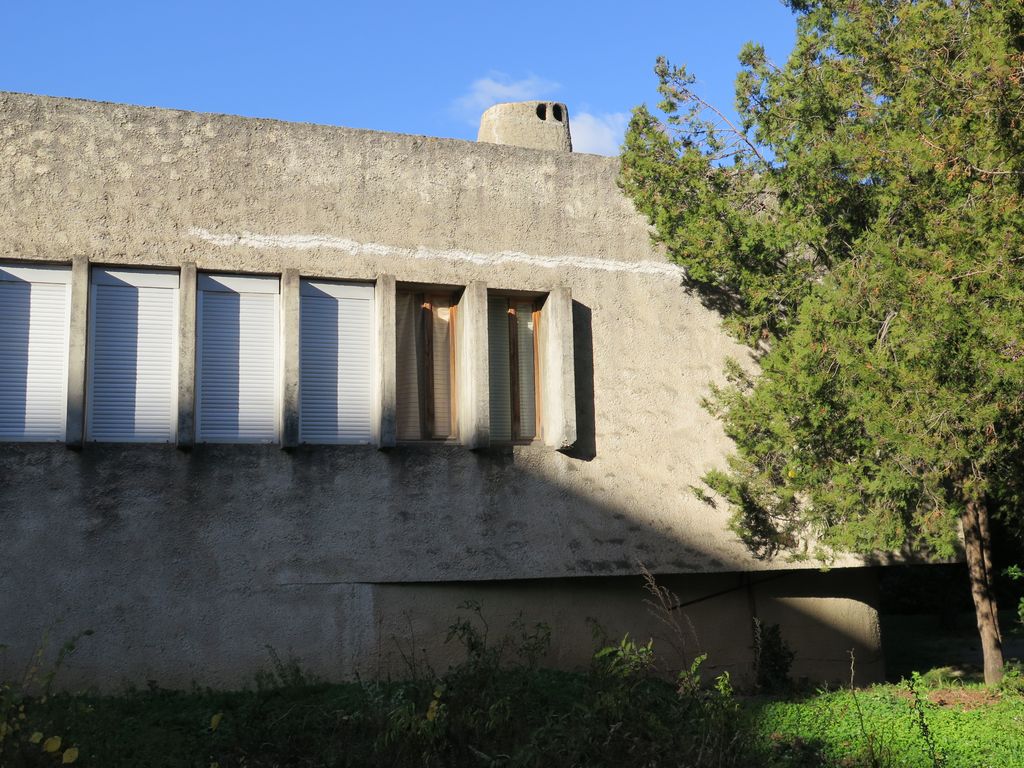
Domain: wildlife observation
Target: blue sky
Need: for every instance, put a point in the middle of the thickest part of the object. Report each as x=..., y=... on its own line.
x=424, y=68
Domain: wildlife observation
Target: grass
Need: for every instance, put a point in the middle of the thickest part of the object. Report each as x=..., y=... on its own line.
x=500, y=707
x=968, y=727
x=543, y=717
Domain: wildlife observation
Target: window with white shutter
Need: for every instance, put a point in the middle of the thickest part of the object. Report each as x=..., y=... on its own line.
x=238, y=382
x=336, y=365
x=35, y=303
x=512, y=331
x=425, y=365
x=132, y=384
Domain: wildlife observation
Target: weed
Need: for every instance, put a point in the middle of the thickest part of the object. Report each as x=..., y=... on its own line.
x=23, y=734
x=498, y=706
x=283, y=673
x=913, y=685
x=773, y=658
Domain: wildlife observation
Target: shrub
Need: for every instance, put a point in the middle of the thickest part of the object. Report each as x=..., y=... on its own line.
x=773, y=658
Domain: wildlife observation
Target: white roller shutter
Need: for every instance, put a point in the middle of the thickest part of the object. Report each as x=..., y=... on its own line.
x=35, y=307
x=336, y=367
x=500, y=377
x=237, y=359
x=133, y=356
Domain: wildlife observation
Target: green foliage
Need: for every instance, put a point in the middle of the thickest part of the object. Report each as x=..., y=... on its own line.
x=27, y=735
x=826, y=730
x=772, y=658
x=496, y=707
x=283, y=673
x=862, y=227
x=484, y=712
x=1015, y=573
x=1013, y=679
x=914, y=685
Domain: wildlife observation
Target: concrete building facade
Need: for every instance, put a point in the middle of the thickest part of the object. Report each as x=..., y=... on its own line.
x=188, y=555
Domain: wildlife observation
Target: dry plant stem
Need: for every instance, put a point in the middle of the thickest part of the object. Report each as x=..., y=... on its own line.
x=868, y=738
x=661, y=605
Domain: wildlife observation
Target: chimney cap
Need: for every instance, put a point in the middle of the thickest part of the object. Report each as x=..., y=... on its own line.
x=530, y=124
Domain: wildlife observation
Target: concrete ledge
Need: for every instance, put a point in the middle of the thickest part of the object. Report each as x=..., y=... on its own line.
x=186, y=435
x=558, y=377
x=385, y=402
x=474, y=413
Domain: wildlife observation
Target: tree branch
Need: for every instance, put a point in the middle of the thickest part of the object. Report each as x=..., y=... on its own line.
x=968, y=163
x=736, y=131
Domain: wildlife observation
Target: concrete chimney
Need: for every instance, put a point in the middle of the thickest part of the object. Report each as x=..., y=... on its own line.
x=531, y=124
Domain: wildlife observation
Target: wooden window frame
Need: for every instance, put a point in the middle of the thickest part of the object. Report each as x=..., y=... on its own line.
x=424, y=336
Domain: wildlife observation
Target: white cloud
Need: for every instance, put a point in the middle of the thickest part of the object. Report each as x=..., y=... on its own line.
x=498, y=87
x=599, y=134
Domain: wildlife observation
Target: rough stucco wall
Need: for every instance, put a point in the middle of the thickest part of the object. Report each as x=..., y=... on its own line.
x=131, y=531
x=132, y=186
x=125, y=184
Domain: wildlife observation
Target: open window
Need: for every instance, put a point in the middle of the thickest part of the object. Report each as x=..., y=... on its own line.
x=513, y=330
x=425, y=365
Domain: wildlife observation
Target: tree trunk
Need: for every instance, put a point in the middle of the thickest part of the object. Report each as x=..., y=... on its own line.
x=978, y=546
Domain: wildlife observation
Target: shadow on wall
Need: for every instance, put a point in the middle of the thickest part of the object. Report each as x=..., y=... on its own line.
x=15, y=307
x=822, y=619
x=188, y=565
x=585, y=447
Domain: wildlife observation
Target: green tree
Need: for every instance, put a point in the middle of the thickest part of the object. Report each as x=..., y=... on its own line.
x=861, y=227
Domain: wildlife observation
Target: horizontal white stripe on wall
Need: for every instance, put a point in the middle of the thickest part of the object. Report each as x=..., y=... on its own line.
x=310, y=242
